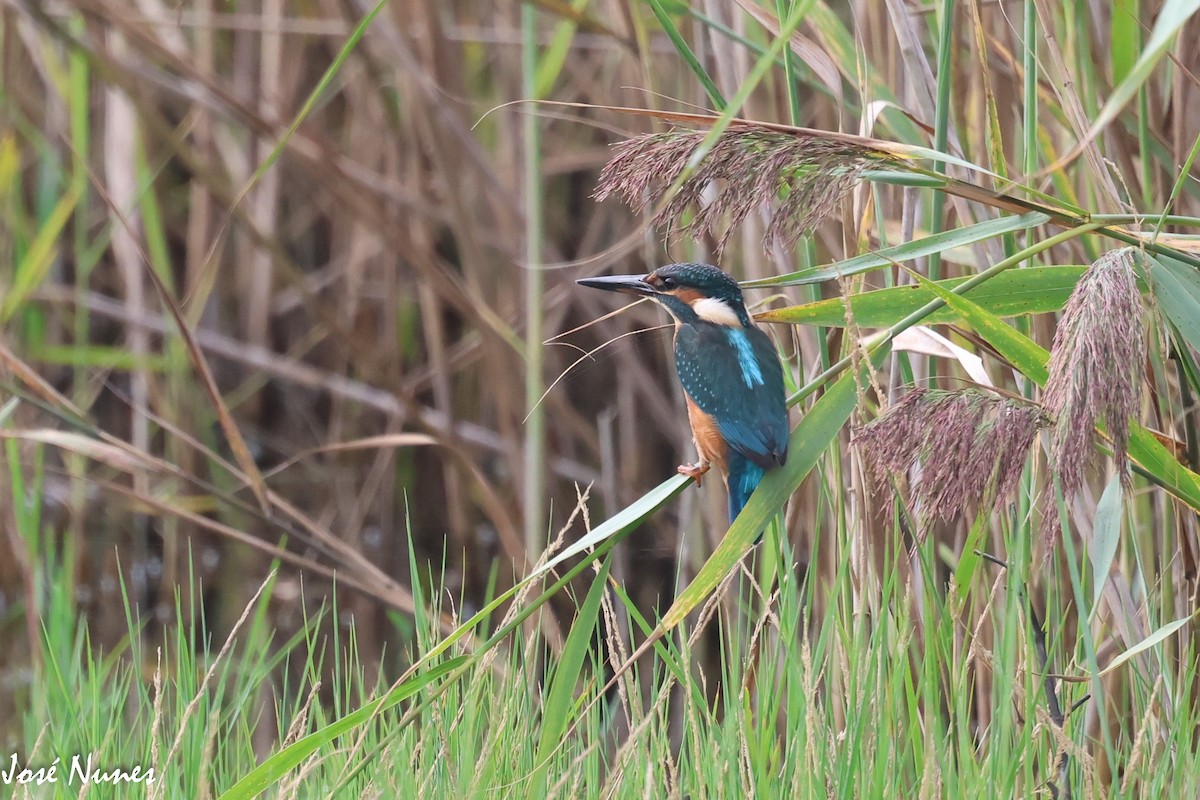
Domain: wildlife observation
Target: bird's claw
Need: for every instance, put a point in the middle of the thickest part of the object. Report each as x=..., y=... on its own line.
x=695, y=471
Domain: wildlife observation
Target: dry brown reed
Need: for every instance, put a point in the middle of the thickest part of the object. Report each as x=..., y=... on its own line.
x=368, y=289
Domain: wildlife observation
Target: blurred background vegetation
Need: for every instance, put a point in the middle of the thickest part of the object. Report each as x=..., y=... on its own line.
x=373, y=248
x=371, y=282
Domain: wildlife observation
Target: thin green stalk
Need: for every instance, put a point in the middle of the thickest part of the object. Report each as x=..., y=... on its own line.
x=941, y=138
x=685, y=52
x=793, y=95
x=1090, y=658
x=814, y=293
x=1184, y=177
x=535, y=437
x=1145, y=148
x=1134, y=219
x=789, y=67
x=1029, y=164
x=79, y=83
x=1029, y=137
x=941, y=129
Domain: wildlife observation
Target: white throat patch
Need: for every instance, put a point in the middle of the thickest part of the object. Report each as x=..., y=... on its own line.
x=711, y=309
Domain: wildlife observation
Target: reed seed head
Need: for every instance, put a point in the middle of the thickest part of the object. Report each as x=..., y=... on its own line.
x=749, y=166
x=971, y=446
x=1095, y=365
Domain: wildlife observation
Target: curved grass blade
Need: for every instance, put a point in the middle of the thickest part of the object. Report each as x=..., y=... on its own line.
x=1171, y=19
x=1021, y=292
x=1106, y=535
x=606, y=534
x=627, y=518
x=1177, y=290
x=1162, y=634
x=937, y=243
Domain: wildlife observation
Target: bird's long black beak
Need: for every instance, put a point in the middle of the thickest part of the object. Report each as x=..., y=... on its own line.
x=628, y=284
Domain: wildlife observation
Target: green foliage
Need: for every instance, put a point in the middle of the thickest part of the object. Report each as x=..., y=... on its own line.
x=846, y=705
x=1034, y=290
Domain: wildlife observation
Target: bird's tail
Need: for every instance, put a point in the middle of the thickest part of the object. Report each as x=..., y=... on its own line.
x=744, y=477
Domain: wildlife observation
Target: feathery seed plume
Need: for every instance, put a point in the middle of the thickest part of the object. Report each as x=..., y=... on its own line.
x=971, y=446
x=1095, y=365
x=749, y=166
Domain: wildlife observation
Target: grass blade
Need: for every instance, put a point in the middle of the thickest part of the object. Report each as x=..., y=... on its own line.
x=687, y=54
x=1106, y=535
x=1177, y=290
x=1174, y=14
x=556, y=709
x=33, y=267
x=1162, y=634
x=1036, y=290
x=908, y=251
x=274, y=768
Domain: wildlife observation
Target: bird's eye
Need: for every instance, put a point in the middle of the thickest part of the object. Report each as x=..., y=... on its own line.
x=668, y=283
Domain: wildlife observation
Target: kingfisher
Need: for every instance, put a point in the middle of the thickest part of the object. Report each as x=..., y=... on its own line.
x=731, y=375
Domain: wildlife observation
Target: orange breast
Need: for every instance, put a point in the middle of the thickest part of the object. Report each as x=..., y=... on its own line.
x=709, y=441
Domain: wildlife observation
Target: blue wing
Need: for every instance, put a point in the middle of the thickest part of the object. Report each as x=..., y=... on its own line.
x=734, y=375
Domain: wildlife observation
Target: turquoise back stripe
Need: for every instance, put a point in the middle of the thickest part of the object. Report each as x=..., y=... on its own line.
x=751, y=372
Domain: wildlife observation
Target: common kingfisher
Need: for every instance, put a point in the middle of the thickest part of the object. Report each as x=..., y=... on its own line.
x=731, y=375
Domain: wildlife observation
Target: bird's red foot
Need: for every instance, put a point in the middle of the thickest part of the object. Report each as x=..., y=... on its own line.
x=695, y=471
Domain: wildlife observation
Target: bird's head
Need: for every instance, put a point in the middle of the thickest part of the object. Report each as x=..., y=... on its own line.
x=690, y=292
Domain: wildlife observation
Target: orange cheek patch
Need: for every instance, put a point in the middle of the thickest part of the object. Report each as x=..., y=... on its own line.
x=688, y=296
